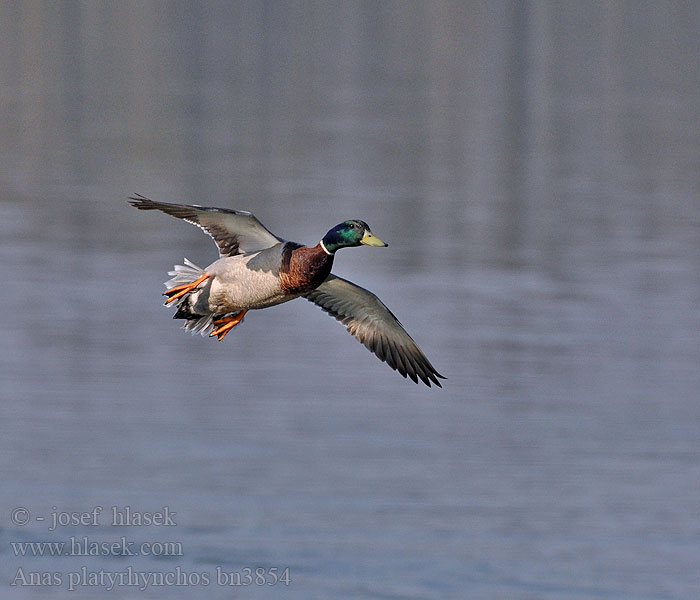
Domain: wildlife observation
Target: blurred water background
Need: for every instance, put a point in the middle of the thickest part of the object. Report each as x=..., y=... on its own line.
x=535, y=169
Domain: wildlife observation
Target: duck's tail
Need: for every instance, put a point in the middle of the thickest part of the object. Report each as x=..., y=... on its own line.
x=184, y=274
x=196, y=319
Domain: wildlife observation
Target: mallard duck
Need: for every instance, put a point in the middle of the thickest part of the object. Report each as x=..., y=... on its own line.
x=256, y=269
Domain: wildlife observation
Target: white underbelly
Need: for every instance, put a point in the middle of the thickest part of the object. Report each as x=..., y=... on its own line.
x=237, y=286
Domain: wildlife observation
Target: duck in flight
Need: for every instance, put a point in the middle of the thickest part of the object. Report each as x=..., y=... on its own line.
x=257, y=269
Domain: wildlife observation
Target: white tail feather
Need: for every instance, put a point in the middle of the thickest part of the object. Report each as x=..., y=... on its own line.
x=202, y=326
x=183, y=274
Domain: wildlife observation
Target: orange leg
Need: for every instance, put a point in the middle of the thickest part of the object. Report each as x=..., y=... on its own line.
x=226, y=324
x=181, y=290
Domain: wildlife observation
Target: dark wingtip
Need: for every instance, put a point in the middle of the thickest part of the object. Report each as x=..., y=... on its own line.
x=433, y=376
x=139, y=201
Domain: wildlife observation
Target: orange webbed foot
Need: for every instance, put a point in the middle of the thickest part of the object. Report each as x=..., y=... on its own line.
x=226, y=324
x=180, y=290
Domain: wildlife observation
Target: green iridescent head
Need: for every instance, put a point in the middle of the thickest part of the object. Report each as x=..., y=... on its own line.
x=348, y=234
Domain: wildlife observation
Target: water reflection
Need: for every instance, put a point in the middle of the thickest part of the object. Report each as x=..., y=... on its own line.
x=534, y=170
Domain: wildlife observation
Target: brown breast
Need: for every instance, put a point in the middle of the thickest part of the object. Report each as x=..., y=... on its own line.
x=303, y=268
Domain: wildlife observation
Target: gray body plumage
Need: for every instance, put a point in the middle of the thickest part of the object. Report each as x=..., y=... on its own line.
x=241, y=282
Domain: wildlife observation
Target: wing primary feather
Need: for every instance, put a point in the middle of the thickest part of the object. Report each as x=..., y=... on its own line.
x=233, y=231
x=368, y=319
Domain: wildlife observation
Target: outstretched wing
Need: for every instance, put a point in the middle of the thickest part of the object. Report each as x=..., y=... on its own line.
x=372, y=323
x=234, y=231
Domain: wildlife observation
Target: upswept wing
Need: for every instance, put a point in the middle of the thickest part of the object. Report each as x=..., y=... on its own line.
x=374, y=325
x=234, y=231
